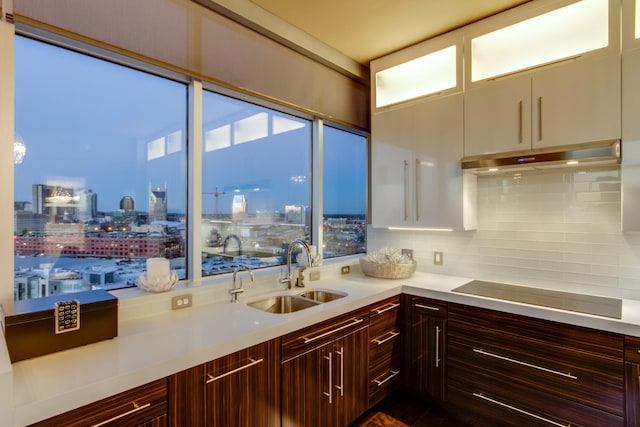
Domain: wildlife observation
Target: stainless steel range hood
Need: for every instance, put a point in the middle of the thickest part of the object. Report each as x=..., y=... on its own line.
x=593, y=154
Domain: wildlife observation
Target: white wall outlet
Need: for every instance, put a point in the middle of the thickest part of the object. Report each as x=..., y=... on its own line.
x=314, y=275
x=438, y=258
x=408, y=252
x=181, y=301
x=345, y=269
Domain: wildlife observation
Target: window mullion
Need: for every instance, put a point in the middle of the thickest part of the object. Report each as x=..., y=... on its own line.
x=194, y=182
x=316, y=190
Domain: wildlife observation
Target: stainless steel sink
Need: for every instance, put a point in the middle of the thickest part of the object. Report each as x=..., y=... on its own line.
x=283, y=304
x=323, y=296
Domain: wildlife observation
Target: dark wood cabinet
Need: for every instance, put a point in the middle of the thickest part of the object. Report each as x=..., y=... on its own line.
x=142, y=406
x=385, y=348
x=324, y=372
x=239, y=389
x=513, y=370
x=632, y=380
x=425, y=354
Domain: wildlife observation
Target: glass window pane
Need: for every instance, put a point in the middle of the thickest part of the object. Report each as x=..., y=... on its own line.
x=256, y=182
x=101, y=186
x=344, y=193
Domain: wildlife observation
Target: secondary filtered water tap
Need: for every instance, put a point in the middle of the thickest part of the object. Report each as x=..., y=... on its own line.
x=238, y=289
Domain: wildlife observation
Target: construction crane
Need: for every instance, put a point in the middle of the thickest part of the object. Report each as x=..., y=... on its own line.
x=216, y=195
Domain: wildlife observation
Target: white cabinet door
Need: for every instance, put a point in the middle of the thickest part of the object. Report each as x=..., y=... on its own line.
x=497, y=116
x=569, y=103
x=631, y=141
x=578, y=101
x=416, y=176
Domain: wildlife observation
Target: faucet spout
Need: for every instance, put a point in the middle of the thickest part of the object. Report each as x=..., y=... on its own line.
x=238, y=289
x=306, y=249
x=226, y=242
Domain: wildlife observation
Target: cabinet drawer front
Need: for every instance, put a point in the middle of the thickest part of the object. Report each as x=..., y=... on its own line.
x=632, y=349
x=307, y=339
x=130, y=408
x=500, y=404
x=586, y=378
x=387, y=344
x=428, y=306
x=602, y=343
x=385, y=317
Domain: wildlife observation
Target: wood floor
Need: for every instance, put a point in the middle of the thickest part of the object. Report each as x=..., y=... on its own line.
x=404, y=410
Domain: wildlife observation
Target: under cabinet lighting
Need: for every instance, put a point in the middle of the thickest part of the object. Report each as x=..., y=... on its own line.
x=637, y=19
x=426, y=75
x=562, y=33
x=572, y=162
x=419, y=229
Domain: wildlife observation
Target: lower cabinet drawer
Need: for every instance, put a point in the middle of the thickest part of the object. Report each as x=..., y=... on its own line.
x=384, y=377
x=594, y=381
x=145, y=405
x=500, y=404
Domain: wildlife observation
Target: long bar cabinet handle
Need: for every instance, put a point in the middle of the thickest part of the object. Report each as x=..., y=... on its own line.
x=317, y=337
x=330, y=393
x=381, y=382
x=341, y=386
x=387, y=307
x=428, y=307
x=520, y=131
x=391, y=336
x=417, y=190
x=522, y=411
x=248, y=365
x=437, y=346
x=540, y=118
x=406, y=190
x=135, y=409
x=520, y=362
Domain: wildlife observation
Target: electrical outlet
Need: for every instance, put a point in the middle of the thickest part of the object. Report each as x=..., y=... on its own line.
x=314, y=275
x=438, y=258
x=408, y=252
x=181, y=301
x=345, y=269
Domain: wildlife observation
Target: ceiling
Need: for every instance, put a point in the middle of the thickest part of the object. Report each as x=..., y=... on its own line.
x=367, y=29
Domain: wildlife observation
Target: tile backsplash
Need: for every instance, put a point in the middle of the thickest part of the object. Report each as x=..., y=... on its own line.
x=557, y=228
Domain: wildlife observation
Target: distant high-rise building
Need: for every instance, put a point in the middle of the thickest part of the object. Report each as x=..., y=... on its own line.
x=55, y=201
x=87, y=205
x=158, y=205
x=127, y=203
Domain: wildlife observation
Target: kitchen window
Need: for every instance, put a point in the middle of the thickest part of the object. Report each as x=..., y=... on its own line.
x=101, y=175
x=256, y=182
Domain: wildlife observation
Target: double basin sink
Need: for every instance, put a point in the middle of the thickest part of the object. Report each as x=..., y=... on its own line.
x=282, y=304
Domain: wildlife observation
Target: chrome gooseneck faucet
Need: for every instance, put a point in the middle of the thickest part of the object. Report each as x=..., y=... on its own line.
x=238, y=289
x=226, y=242
x=306, y=249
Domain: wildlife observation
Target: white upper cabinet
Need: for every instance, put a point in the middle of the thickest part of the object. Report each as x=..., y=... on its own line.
x=415, y=170
x=558, y=86
x=630, y=116
x=417, y=138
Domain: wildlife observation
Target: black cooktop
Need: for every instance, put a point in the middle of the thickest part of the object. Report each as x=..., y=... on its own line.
x=588, y=304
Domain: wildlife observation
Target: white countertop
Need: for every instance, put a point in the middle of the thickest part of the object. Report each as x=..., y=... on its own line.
x=157, y=346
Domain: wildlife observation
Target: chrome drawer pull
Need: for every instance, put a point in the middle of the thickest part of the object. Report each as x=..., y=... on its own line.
x=248, y=365
x=437, y=346
x=388, y=307
x=135, y=409
x=519, y=362
x=317, y=337
x=381, y=382
x=390, y=337
x=513, y=408
x=330, y=393
x=428, y=307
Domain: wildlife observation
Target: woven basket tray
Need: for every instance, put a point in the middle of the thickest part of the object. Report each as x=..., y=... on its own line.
x=387, y=271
